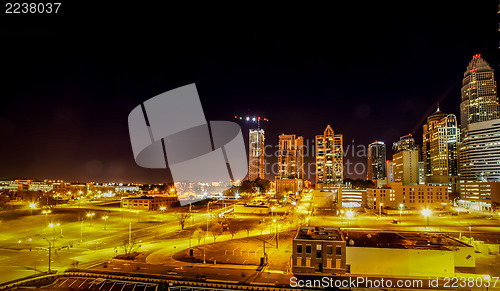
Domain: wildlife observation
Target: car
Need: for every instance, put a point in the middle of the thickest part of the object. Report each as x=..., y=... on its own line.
x=394, y=221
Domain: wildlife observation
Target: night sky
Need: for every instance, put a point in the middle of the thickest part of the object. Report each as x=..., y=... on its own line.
x=371, y=71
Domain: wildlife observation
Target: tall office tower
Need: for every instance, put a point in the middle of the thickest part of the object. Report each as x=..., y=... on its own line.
x=404, y=143
x=291, y=164
x=256, y=162
x=479, y=94
x=376, y=161
x=405, y=167
x=440, y=149
x=406, y=155
x=480, y=152
x=291, y=157
x=329, y=160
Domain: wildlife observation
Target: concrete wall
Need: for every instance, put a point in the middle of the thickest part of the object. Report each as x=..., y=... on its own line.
x=465, y=257
x=403, y=262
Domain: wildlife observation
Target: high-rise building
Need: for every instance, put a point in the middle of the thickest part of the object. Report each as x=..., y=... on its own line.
x=405, y=167
x=290, y=163
x=291, y=156
x=440, y=147
x=480, y=152
x=406, y=155
x=256, y=162
x=404, y=143
x=329, y=160
x=479, y=94
x=376, y=161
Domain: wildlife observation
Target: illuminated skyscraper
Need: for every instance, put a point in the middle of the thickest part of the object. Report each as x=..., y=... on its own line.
x=480, y=152
x=291, y=156
x=290, y=163
x=329, y=160
x=256, y=161
x=376, y=161
x=405, y=142
x=479, y=94
x=440, y=149
x=405, y=160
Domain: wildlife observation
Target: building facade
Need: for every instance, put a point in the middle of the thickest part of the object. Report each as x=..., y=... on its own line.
x=479, y=94
x=256, y=158
x=290, y=164
x=319, y=250
x=148, y=202
x=406, y=142
x=329, y=160
x=291, y=157
x=376, y=169
x=480, y=196
x=480, y=152
x=405, y=167
x=399, y=196
x=440, y=147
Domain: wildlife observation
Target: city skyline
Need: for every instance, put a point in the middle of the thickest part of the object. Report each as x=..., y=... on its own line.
x=73, y=106
x=339, y=146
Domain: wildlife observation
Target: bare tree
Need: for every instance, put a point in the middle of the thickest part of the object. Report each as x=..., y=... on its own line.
x=233, y=227
x=182, y=217
x=130, y=246
x=215, y=231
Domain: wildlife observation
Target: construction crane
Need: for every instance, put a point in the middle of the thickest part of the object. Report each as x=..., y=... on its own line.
x=254, y=119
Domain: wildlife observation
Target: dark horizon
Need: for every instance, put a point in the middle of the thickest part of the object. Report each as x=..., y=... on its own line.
x=70, y=81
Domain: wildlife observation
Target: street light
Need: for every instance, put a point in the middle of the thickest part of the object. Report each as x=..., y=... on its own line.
x=50, y=248
x=32, y=206
x=105, y=221
x=205, y=236
x=380, y=209
x=163, y=212
x=53, y=229
x=427, y=213
x=46, y=212
x=90, y=215
x=400, y=210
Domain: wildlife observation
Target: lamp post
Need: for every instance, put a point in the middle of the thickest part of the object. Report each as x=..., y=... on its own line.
x=90, y=215
x=46, y=212
x=205, y=236
x=470, y=231
x=53, y=227
x=426, y=213
x=105, y=221
x=400, y=210
x=163, y=212
x=380, y=209
x=50, y=248
x=277, y=235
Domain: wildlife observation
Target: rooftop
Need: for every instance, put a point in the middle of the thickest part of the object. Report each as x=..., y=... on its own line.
x=319, y=233
x=399, y=240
